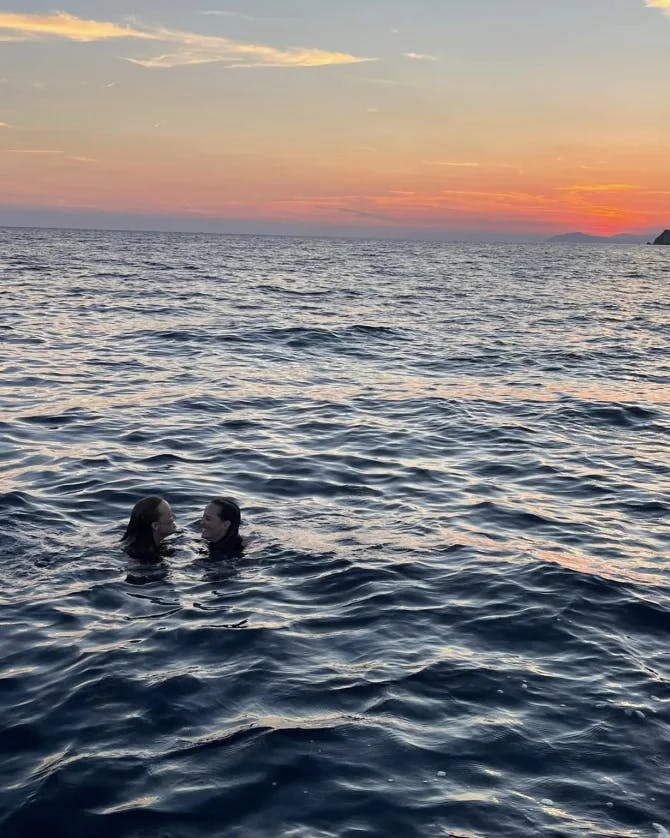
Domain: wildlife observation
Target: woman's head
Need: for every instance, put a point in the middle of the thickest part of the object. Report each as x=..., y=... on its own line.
x=151, y=521
x=221, y=519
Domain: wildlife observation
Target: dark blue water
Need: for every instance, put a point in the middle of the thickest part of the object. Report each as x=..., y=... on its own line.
x=453, y=613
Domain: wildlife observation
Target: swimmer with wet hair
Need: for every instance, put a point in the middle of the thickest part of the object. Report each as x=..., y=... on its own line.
x=151, y=522
x=221, y=528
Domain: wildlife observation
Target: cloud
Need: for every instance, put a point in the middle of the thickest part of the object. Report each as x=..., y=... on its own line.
x=223, y=13
x=453, y=163
x=6, y=38
x=376, y=216
x=62, y=25
x=420, y=56
x=190, y=47
x=409, y=207
x=4, y=125
x=599, y=187
x=34, y=150
x=49, y=151
x=659, y=4
x=206, y=49
x=504, y=197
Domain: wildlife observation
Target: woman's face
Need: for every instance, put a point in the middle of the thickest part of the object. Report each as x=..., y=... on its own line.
x=164, y=525
x=213, y=528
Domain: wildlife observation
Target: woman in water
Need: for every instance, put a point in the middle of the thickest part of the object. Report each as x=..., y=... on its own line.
x=221, y=528
x=151, y=522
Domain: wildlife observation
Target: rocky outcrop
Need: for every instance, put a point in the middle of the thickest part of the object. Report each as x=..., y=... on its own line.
x=664, y=238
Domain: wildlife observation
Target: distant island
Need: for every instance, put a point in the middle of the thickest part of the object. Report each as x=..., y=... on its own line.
x=664, y=238
x=620, y=238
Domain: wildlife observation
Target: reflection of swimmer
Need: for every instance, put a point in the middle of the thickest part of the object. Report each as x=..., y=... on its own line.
x=151, y=521
x=221, y=527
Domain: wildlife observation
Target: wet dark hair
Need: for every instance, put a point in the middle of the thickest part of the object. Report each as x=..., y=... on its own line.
x=138, y=539
x=228, y=510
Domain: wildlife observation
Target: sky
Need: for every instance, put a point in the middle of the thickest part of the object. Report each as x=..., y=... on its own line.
x=485, y=119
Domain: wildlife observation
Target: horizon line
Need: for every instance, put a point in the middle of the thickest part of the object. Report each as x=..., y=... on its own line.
x=428, y=236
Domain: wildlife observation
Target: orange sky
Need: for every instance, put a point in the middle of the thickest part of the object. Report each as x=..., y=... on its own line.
x=371, y=119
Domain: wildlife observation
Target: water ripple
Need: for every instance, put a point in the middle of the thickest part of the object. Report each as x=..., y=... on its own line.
x=452, y=612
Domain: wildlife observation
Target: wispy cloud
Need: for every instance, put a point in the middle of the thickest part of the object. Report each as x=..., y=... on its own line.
x=50, y=152
x=376, y=216
x=599, y=187
x=404, y=206
x=207, y=49
x=456, y=164
x=6, y=38
x=4, y=124
x=420, y=56
x=189, y=47
x=26, y=27
x=34, y=150
x=659, y=4
x=225, y=13
x=502, y=196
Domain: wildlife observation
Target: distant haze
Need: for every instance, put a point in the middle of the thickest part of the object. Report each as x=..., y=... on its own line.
x=111, y=221
x=431, y=119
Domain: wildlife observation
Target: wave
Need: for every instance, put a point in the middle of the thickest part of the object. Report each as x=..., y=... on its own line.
x=451, y=613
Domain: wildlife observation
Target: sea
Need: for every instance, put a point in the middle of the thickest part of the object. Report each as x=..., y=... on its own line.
x=452, y=614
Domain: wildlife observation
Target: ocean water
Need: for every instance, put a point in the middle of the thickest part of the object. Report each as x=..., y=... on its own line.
x=453, y=612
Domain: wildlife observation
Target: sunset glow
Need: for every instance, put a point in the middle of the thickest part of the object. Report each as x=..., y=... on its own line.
x=359, y=118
